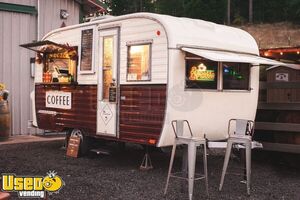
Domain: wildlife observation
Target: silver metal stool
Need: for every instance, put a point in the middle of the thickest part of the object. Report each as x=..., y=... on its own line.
x=189, y=157
x=242, y=135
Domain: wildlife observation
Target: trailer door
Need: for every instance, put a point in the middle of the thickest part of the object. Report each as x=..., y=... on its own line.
x=108, y=83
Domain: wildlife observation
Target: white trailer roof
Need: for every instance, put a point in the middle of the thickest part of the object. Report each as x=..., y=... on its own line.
x=206, y=35
x=186, y=32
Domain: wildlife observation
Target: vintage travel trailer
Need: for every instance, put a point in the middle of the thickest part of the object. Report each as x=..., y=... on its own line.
x=126, y=78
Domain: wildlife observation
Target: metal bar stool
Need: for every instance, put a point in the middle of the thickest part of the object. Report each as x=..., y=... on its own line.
x=189, y=157
x=242, y=135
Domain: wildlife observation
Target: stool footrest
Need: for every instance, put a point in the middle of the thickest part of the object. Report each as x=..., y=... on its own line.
x=237, y=174
x=181, y=175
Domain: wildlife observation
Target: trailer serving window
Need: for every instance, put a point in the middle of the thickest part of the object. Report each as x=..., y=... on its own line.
x=236, y=76
x=59, y=61
x=138, y=68
x=202, y=73
x=60, y=67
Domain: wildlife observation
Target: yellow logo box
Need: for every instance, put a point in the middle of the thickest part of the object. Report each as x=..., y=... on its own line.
x=32, y=186
x=11, y=182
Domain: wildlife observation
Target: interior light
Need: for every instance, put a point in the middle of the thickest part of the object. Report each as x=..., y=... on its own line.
x=298, y=52
x=202, y=67
x=136, y=49
x=281, y=53
x=266, y=54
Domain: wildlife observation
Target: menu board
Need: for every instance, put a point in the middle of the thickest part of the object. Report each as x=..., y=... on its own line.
x=112, y=94
x=86, y=50
x=73, y=146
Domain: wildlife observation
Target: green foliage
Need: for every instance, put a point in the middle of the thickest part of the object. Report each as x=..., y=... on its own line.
x=170, y=7
x=294, y=9
x=121, y=7
x=213, y=10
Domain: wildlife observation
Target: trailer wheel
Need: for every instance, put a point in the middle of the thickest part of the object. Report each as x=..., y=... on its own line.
x=84, y=141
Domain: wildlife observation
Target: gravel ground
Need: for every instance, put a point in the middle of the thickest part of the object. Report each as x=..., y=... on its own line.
x=116, y=176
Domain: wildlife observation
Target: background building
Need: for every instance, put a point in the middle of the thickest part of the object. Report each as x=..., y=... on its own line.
x=25, y=21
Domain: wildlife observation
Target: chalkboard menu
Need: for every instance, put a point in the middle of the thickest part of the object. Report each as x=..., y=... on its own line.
x=112, y=95
x=86, y=50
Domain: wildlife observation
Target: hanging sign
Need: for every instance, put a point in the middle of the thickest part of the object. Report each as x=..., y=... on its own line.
x=282, y=77
x=201, y=75
x=112, y=94
x=73, y=146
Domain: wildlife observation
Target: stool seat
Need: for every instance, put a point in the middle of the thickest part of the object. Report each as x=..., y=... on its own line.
x=189, y=157
x=186, y=139
x=245, y=137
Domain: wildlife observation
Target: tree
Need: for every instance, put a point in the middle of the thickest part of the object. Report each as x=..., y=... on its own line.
x=294, y=10
x=121, y=7
x=170, y=7
x=228, y=12
x=213, y=10
x=219, y=11
x=250, y=11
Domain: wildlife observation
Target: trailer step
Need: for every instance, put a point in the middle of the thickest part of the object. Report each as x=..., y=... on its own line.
x=101, y=151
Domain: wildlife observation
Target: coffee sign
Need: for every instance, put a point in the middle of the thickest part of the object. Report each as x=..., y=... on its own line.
x=58, y=99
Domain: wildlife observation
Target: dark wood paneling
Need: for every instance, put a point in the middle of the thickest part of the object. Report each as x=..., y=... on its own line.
x=271, y=126
x=278, y=106
x=83, y=113
x=281, y=91
x=142, y=111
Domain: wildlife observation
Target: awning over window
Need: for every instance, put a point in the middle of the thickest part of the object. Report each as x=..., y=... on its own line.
x=223, y=56
x=46, y=47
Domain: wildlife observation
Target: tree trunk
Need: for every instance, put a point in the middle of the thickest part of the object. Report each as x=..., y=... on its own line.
x=250, y=11
x=228, y=12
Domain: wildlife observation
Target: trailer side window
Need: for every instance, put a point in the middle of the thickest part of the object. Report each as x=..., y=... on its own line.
x=236, y=76
x=138, y=68
x=59, y=67
x=201, y=74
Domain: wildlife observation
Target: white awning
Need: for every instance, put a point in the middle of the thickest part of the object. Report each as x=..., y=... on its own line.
x=223, y=56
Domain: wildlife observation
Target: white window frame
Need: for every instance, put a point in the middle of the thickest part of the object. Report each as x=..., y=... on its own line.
x=140, y=43
x=219, y=78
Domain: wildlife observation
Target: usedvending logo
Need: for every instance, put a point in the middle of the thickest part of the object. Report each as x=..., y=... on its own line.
x=32, y=186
